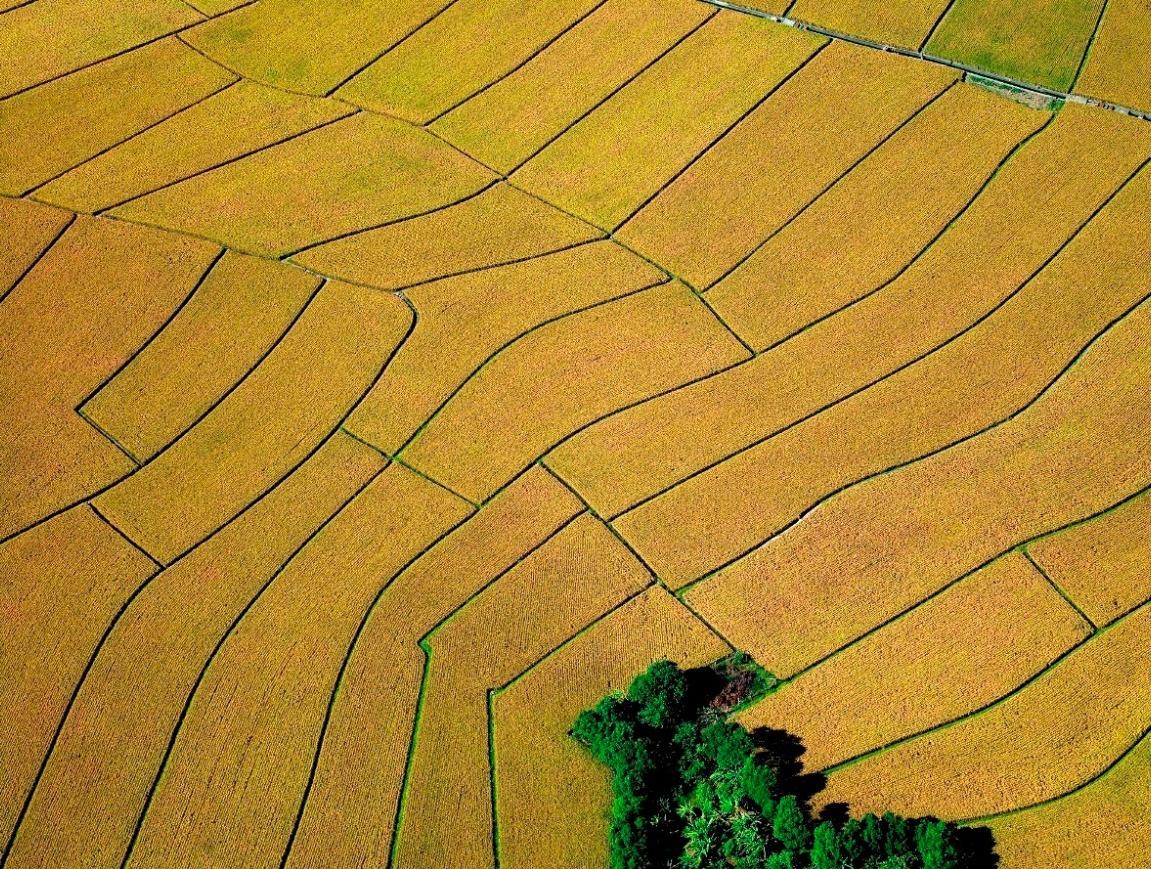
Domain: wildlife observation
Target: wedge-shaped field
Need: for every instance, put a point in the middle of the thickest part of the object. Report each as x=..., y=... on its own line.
x=235, y=317
x=354, y=174
x=505, y=124
x=1118, y=66
x=298, y=45
x=253, y=724
x=578, y=576
x=110, y=747
x=53, y=127
x=60, y=584
x=620, y=155
x=27, y=230
x=349, y=811
x=1103, y=824
x=439, y=66
x=955, y=653
x=474, y=317
x=45, y=39
x=877, y=548
x=563, y=376
x=904, y=22
x=809, y=132
x=876, y=219
x=982, y=377
x=1029, y=41
x=1030, y=209
x=96, y=296
x=265, y=427
x=500, y=225
x=1104, y=565
x=550, y=795
x=238, y=120
x=1058, y=733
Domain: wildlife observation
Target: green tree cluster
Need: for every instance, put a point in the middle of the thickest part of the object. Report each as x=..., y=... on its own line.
x=693, y=791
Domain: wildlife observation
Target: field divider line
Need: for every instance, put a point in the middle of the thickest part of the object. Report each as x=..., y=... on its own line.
x=822, y=499
x=124, y=608
x=507, y=344
x=404, y=38
x=408, y=467
x=723, y=134
x=491, y=697
x=159, y=565
x=71, y=218
x=901, y=367
x=827, y=188
x=994, y=704
x=936, y=25
x=1030, y=87
x=104, y=211
x=1090, y=44
x=227, y=634
x=16, y=6
x=1086, y=783
x=112, y=439
x=521, y=64
x=1046, y=576
x=174, y=32
x=152, y=125
x=927, y=248
x=611, y=94
x=175, y=312
x=904, y=613
x=424, y=644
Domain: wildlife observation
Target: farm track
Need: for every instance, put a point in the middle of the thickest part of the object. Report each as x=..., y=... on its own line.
x=478, y=500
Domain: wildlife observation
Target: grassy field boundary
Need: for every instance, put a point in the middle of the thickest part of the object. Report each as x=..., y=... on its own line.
x=919, y=54
x=71, y=218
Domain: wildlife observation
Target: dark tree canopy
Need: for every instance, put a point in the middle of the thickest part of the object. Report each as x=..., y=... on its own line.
x=693, y=790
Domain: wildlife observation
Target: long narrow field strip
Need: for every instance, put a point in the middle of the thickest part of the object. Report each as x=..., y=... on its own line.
x=501, y=225
x=27, y=230
x=905, y=22
x=1104, y=565
x=237, y=314
x=350, y=809
x=1118, y=66
x=876, y=219
x=263, y=428
x=826, y=117
x=48, y=38
x=517, y=116
x=253, y=723
x=622, y=153
x=1060, y=731
x=1022, y=39
x=467, y=319
x=981, y=378
x=565, y=375
x=550, y=795
x=298, y=45
x=356, y=173
x=957, y=652
x=438, y=68
x=877, y=548
x=130, y=701
x=60, y=584
x=51, y=128
x=1105, y=823
x=89, y=303
x=580, y=574
x=243, y=118
x=1029, y=210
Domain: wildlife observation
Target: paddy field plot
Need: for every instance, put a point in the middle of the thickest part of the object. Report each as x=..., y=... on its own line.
x=383, y=383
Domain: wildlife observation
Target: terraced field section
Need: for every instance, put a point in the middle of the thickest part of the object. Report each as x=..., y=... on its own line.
x=385, y=382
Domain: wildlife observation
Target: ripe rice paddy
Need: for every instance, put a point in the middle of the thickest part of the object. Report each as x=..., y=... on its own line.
x=383, y=382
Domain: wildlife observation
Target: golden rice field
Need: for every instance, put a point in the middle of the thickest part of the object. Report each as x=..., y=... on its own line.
x=384, y=381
